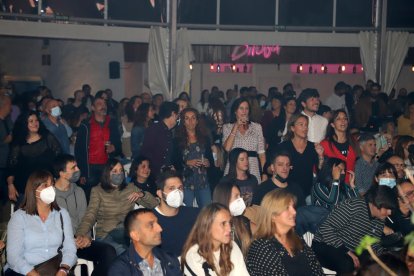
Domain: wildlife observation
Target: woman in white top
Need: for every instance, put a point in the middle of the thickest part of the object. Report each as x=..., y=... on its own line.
x=209, y=249
x=242, y=133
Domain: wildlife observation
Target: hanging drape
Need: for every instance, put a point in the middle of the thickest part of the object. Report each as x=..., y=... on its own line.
x=158, y=60
x=394, y=52
x=368, y=52
x=397, y=44
x=184, y=55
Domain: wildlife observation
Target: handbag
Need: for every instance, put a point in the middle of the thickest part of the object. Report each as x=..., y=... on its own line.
x=51, y=267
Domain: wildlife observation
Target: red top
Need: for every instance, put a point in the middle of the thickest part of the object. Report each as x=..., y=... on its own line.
x=97, y=137
x=331, y=151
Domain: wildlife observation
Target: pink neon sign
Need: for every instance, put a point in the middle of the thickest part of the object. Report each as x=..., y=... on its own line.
x=254, y=50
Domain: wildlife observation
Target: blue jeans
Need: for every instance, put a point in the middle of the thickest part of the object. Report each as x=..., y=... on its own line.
x=203, y=197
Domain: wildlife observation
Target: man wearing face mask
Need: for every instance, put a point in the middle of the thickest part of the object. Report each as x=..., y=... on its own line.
x=97, y=139
x=280, y=167
x=71, y=197
x=176, y=220
x=56, y=125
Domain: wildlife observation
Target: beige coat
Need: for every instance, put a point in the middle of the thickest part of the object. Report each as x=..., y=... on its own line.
x=109, y=209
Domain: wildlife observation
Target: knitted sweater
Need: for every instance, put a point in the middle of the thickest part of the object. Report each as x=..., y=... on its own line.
x=108, y=209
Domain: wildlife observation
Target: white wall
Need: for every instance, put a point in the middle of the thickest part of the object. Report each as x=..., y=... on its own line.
x=264, y=76
x=73, y=63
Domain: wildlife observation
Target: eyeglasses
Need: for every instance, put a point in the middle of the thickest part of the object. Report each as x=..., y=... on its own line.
x=409, y=193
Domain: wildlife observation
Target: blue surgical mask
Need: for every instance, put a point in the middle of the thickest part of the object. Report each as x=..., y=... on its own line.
x=56, y=111
x=389, y=182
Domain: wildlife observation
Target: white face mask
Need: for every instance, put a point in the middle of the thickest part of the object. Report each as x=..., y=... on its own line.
x=56, y=111
x=175, y=198
x=237, y=207
x=47, y=195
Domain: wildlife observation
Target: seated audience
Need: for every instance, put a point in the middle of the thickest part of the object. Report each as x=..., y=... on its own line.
x=176, y=220
x=40, y=231
x=228, y=194
x=143, y=257
x=277, y=249
x=239, y=174
x=280, y=168
x=332, y=188
x=72, y=198
x=110, y=201
x=339, y=235
x=366, y=165
x=209, y=249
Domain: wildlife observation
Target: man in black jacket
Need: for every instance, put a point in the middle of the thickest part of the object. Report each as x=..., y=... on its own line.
x=143, y=254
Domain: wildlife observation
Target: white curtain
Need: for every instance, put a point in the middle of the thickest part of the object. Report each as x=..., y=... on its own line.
x=158, y=61
x=368, y=52
x=397, y=44
x=184, y=55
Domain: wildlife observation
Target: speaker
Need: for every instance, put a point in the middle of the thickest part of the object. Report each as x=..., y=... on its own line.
x=114, y=70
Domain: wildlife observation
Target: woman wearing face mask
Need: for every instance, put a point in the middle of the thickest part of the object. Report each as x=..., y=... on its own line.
x=209, y=249
x=192, y=156
x=228, y=194
x=140, y=173
x=33, y=148
x=239, y=174
x=110, y=201
x=40, y=231
x=332, y=188
x=386, y=175
x=277, y=249
x=241, y=133
x=280, y=168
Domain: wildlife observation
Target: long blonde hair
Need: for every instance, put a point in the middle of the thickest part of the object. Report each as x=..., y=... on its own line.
x=201, y=235
x=273, y=204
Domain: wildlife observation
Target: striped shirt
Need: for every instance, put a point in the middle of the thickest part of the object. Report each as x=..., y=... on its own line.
x=348, y=224
x=329, y=197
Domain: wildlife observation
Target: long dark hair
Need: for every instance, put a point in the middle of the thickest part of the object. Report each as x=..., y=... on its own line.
x=383, y=168
x=202, y=100
x=222, y=195
x=233, y=157
x=325, y=174
x=330, y=130
x=36, y=179
x=106, y=176
x=235, y=106
x=181, y=133
x=129, y=108
x=141, y=116
x=21, y=129
x=402, y=142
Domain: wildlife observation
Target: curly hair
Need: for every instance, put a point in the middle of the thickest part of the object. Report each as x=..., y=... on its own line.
x=181, y=133
x=21, y=128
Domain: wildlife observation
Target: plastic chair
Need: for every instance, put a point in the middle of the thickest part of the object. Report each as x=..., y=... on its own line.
x=308, y=237
x=78, y=268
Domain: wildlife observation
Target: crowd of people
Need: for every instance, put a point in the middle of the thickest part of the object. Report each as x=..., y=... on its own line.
x=146, y=186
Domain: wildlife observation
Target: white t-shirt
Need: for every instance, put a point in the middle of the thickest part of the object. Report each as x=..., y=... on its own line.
x=316, y=128
x=195, y=262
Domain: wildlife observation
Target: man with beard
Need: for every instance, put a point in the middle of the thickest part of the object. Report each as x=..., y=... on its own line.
x=97, y=139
